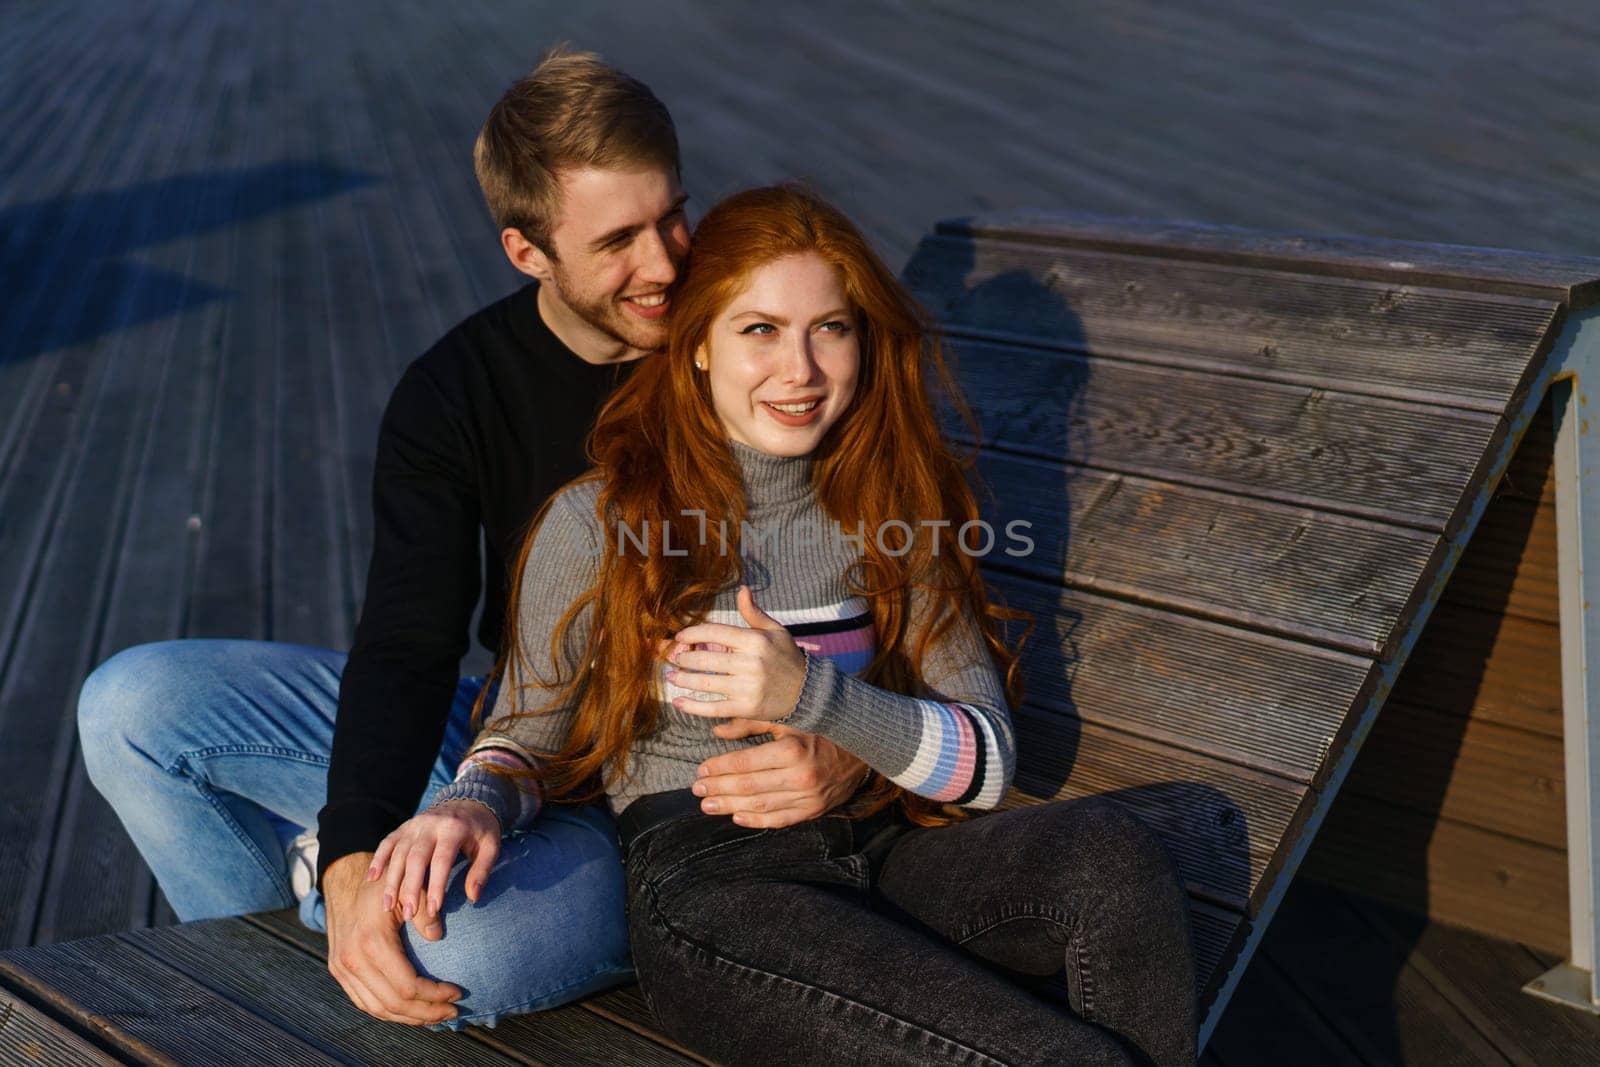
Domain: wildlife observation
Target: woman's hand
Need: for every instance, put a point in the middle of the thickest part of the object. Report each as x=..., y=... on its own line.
x=418, y=855
x=759, y=671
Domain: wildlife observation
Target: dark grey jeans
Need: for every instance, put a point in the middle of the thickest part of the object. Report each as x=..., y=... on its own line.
x=874, y=942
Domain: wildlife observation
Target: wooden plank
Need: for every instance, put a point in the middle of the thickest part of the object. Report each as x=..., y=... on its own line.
x=1268, y=1023
x=1483, y=978
x=360, y=366
x=1510, y=564
x=30, y=1036
x=93, y=476
x=294, y=992
x=307, y=601
x=1224, y=825
x=1567, y=279
x=1478, y=773
x=1471, y=350
x=147, y=1011
x=1531, y=474
x=1259, y=701
x=385, y=319
x=1407, y=464
x=231, y=581
x=1218, y=935
x=460, y=266
x=43, y=235
x=1498, y=668
x=622, y=1010
x=1370, y=995
x=97, y=883
x=1304, y=574
x=625, y=1006
x=36, y=442
x=1499, y=885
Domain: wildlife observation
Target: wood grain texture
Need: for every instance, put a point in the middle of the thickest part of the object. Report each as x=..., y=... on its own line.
x=1381, y=1005
x=1218, y=936
x=295, y=993
x=1499, y=668
x=254, y=969
x=1445, y=870
x=28, y=1036
x=1531, y=474
x=1269, y=1023
x=1461, y=349
x=1564, y=279
x=622, y=1008
x=1223, y=824
x=1483, y=978
x=1262, y=702
x=1399, y=463
x=1497, y=778
x=148, y=1011
x=1300, y=573
x=93, y=436
x=1510, y=566
x=96, y=880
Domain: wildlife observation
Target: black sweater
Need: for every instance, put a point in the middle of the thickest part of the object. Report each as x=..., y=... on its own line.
x=478, y=433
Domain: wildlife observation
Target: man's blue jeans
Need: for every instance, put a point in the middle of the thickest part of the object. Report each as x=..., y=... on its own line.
x=215, y=753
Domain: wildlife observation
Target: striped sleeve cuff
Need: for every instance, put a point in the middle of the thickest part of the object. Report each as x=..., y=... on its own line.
x=954, y=752
x=516, y=808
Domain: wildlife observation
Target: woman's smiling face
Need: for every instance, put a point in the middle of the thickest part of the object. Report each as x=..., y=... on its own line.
x=783, y=356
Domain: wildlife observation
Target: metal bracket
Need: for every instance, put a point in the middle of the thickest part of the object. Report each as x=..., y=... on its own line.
x=1576, y=365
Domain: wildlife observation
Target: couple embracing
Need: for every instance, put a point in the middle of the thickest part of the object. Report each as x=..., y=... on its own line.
x=740, y=770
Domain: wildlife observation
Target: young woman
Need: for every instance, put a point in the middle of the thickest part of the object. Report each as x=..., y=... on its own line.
x=772, y=541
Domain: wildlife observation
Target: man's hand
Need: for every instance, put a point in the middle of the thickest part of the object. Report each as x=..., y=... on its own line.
x=364, y=951
x=792, y=778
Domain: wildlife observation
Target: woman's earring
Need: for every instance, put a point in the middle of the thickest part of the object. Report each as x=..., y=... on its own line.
x=699, y=365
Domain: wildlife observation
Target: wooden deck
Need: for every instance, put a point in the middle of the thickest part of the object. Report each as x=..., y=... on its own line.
x=1339, y=981
x=223, y=233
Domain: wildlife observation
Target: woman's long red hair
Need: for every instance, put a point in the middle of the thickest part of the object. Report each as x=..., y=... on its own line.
x=661, y=453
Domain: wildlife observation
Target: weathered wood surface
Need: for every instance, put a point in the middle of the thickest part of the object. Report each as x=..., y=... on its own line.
x=1398, y=462
x=1453, y=871
x=1339, y=980
x=29, y=1036
x=1153, y=388
x=1463, y=775
x=1573, y=280
x=228, y=991
x=1405, y=342
x=1254, y=563
x=623, y=1005
x=1186, y=682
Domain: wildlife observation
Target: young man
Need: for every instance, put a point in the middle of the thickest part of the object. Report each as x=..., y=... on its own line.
x=214, y=753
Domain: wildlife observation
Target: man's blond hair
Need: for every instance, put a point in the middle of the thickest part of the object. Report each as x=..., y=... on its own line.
x=571, y=111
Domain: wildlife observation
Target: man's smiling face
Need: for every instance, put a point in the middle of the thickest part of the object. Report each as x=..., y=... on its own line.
x=619, y=241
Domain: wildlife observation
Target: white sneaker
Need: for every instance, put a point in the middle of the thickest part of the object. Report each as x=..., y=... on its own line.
x=302, y=860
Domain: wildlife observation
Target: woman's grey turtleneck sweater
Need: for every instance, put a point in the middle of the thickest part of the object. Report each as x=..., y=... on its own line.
x=953, y=742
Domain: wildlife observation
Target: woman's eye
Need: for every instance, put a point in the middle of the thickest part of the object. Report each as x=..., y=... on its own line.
x=760, y=328
x=836, y=326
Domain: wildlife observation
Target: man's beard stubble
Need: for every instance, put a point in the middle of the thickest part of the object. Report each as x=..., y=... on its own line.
x=606, y=315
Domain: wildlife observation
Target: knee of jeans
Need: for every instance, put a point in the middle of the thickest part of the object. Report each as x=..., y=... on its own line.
x=524, y=943
x=1120, y=845
x=122, y=703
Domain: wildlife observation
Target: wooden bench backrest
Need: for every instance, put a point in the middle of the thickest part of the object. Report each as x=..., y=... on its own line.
x=1249, y=462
